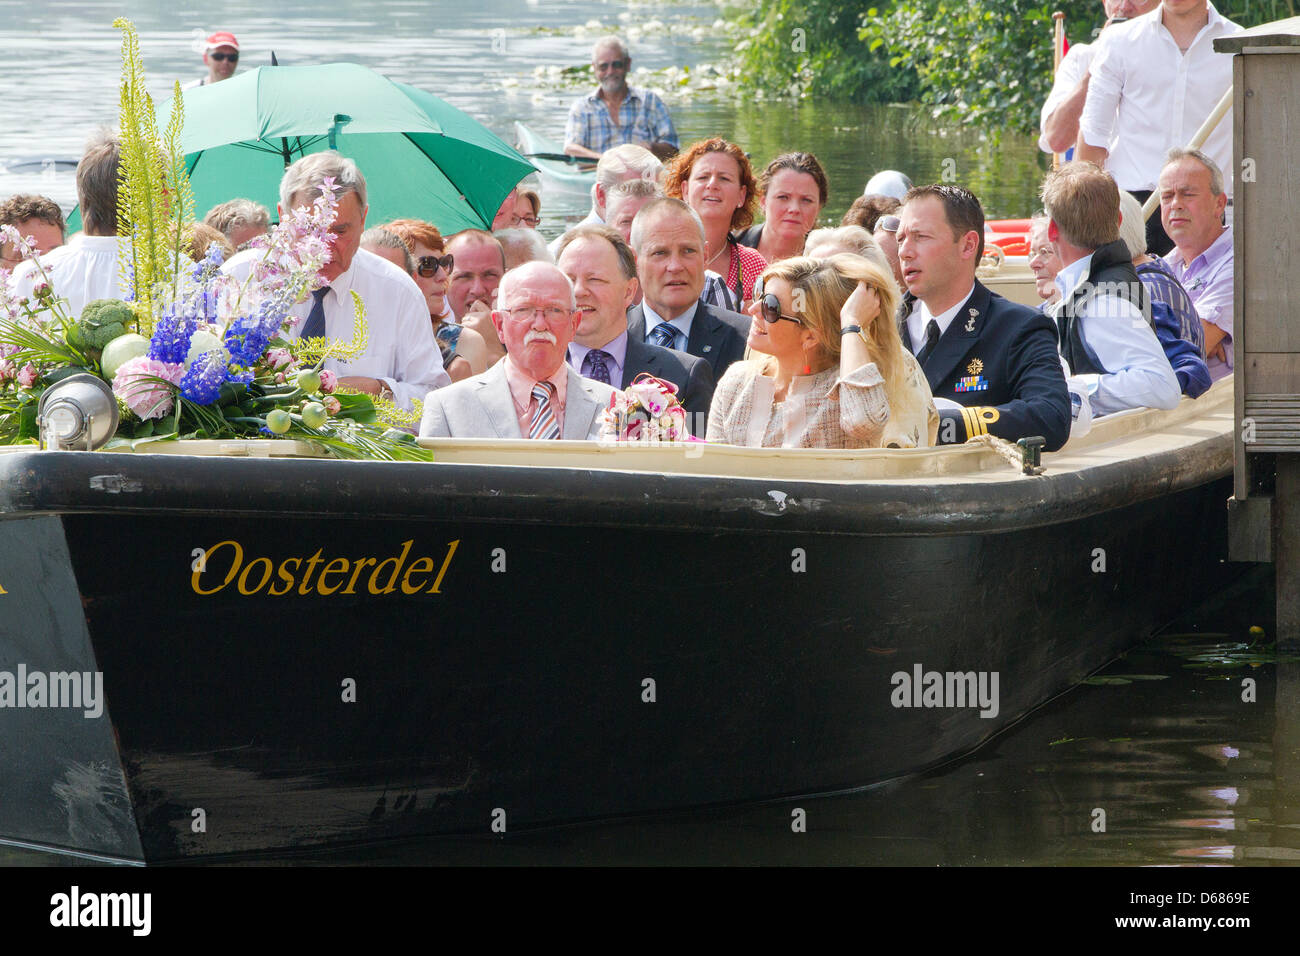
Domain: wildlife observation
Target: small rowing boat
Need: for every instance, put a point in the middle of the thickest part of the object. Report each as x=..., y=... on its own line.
x=555, y=169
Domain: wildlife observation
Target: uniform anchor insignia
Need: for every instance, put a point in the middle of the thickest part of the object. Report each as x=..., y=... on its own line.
x=970, y=323
x=975, y=367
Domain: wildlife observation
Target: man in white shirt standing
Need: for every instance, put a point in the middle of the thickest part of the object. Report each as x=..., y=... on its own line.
x=401, y=361
x=86, y=268
x=1154, y=80
x=1113, y=355
x=1059, y=123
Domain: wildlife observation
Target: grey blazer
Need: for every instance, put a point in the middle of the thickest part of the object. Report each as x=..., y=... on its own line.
x=481, y=407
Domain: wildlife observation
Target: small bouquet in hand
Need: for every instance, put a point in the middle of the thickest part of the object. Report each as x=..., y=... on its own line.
x=646, y=411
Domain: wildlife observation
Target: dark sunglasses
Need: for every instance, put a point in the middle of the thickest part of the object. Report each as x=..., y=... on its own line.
x=770, y=306
x=888, y=223
x=219, y=57
x=428, y=266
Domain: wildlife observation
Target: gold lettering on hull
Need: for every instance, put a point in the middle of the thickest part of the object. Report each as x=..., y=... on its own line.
x=317, y=574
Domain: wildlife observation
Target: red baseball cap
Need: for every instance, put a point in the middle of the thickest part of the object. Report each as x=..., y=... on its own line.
x=219, y=39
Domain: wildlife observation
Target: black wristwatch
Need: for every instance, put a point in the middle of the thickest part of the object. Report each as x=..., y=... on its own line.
x=851, y=328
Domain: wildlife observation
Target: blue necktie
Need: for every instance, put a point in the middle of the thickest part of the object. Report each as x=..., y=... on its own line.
x=314, y=328
x=595, y=361
x=664, y=334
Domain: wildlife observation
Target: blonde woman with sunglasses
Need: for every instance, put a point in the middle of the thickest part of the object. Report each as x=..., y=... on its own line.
x=831, y=371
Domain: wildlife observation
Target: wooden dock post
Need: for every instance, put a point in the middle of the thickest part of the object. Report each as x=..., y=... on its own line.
x=1264, y=512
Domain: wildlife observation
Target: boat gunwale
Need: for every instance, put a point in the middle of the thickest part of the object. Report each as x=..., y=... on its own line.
x=60, y=482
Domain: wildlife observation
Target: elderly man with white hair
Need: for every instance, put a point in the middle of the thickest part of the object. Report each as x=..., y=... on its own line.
x=533, y=393
x=619, y=165
x=401, y=361
x=522, y=245
x=615, y=113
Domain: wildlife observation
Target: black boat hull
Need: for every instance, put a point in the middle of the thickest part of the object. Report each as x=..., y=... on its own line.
x=476, y=648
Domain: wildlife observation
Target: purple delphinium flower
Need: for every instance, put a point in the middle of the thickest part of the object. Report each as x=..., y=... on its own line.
x=247, y=338
x=171, y=337
x=202, y=383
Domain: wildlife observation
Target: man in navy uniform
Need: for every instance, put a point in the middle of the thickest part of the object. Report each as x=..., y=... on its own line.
x=995, y=358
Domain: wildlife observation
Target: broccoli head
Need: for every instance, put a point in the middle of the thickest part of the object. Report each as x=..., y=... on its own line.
x=102, y=321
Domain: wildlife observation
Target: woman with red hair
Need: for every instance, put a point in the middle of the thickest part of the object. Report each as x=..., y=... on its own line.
x=714, y=178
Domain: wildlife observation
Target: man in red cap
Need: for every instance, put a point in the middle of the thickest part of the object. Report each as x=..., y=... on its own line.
x=220, y=56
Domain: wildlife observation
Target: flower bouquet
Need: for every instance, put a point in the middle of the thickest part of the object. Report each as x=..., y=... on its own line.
x=189, y=351
x=647, y=411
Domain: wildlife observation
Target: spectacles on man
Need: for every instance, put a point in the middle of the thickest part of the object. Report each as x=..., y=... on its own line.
x=428, y=266
x=222, y=57
x=550, y=313
x=770, y=306
x=611, y=65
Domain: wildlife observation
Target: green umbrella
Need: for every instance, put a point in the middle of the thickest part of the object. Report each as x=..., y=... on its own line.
x=422, y=158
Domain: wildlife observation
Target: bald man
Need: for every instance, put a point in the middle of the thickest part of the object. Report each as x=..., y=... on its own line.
x=532, y=393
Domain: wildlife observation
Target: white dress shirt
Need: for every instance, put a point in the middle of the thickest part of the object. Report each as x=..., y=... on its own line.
x=1138, y=373
x=400, y=347
x=920, y=318
x=1148, y=96
x=82, y=271
x=1073, y=68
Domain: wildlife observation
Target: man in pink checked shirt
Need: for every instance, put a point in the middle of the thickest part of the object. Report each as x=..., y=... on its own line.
x=532, y=393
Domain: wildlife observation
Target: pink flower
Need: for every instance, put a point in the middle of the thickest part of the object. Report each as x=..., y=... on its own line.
x=27, y=377
x=328, y=381
x=332, y=404
x=137, y=385
x=278, y=358
x=6, y=370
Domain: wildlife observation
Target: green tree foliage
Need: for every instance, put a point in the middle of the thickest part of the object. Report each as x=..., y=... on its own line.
x=981, y=62
x=802, y=47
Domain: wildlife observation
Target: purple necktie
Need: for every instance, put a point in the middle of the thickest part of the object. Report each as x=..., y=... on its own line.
x=599, y=368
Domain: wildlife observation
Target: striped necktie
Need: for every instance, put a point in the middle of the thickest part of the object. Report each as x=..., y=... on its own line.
x=596, y=362
x=544, y=424
x=314, y=327
x=664, y=335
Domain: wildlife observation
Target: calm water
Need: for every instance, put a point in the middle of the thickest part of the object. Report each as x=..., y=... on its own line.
x=1185, y=771
x=60, y=80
